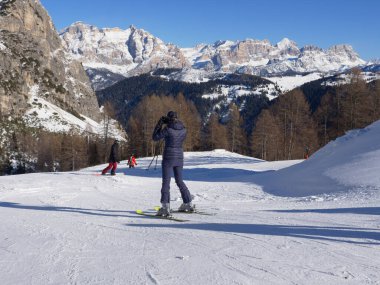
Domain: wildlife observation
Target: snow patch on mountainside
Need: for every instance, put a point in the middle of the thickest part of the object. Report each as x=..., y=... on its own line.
x=50, y=117
x=123, y=69
x=345, y=78
x=287, y=83
x=234, y=91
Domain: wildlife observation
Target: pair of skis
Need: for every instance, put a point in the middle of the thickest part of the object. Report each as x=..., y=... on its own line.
x=141, y=212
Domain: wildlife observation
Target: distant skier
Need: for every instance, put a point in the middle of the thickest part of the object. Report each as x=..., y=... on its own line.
x=132, y=161
x=174, y=134
x=113, y=159
x=306, y=153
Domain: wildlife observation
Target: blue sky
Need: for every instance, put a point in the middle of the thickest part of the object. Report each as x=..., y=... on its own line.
x=188, y=22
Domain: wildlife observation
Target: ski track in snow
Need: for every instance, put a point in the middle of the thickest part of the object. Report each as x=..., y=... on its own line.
x=78, y=228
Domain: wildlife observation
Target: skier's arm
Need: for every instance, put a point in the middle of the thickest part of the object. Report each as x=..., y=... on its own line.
x=158, y=132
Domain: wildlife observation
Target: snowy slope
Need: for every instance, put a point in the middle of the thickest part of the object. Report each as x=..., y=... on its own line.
x=43, y=114
x=287, y=83
x=350, y=163
x=78, y=228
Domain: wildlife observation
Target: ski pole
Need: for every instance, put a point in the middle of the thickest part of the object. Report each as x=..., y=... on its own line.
x=155, y=167
x=154, y=155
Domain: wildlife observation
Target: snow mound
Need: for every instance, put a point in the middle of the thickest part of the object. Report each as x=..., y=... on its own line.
x=350, y=163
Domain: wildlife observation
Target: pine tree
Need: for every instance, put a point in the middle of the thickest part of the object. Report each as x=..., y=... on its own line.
x=236, y=135
x=265, y=139
x=215, y=134
x=292, y=113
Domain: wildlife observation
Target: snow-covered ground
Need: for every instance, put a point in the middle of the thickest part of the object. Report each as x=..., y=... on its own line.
x=350, y=164
x=80, y=228
x=287, y=83
x=43, y=114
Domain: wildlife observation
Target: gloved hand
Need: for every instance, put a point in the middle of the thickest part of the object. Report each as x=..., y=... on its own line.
x=164, y=120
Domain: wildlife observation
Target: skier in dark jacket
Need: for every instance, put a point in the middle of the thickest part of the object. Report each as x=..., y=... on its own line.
x=113, y=159
x=174, y=134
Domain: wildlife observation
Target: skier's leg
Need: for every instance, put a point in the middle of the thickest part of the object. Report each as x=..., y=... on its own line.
x=114, y=166
x=185, y=193
x=165, y=189
x=107, y=168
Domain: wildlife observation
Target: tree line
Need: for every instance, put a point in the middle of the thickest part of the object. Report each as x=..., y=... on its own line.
x=293, y=125
x=200, y=136
x=24, y=149
x=127, y=94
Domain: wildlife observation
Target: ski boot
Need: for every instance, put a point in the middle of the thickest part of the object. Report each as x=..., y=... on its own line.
x=187, y=207
x=164, y=211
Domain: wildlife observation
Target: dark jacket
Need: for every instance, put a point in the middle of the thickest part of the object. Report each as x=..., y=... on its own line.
x=114, y=154
x=174, y=135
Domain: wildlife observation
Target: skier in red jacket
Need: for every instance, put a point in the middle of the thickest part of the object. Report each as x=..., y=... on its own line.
x=132, y=161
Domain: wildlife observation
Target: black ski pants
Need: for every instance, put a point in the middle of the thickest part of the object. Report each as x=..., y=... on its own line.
x=165, y=190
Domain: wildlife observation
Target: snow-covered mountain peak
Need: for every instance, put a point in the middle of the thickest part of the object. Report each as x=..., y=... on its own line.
x=223, y=44
x=78, y=27
x=127, y=52
x=345, y=51
x=344, y=48
x=286, y=43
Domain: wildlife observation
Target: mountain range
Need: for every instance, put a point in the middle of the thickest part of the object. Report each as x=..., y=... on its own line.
x=135, y=51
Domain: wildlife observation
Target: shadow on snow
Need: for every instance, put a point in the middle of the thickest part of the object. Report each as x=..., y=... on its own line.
x=200, y=174
x=336, y=234
x=360, y=210
x=92, y=212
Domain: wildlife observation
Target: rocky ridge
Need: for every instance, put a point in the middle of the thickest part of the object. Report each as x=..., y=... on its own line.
x=134, y=51
x=32, y=58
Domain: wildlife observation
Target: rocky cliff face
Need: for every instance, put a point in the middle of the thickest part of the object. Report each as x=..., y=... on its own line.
x=134, y=51
x=131, y=51
x=262, y=58
x=32, y=55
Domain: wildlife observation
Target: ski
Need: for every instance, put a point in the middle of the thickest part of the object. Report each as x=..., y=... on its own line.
x=156, y=208
x=196, y=212
x=171, y=218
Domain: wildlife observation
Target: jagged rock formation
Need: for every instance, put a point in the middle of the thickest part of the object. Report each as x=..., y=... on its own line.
x=132, y=51
x=135, y=51
x=33, y=59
